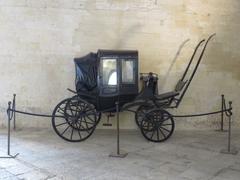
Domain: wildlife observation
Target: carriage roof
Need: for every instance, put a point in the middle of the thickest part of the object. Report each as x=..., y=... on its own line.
x=92, y=57
x=118, y=53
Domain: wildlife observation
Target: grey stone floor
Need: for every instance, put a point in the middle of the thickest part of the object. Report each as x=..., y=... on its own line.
x=186, y=155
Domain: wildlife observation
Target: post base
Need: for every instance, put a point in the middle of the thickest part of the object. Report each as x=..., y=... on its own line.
x=226, y=151
x=120, y=155
x=10, y=156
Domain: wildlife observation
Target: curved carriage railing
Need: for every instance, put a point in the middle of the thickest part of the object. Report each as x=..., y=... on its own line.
x=166, y=100
x=194, y=71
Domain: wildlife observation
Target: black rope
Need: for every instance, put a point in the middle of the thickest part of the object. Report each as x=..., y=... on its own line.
x=189, y=115
x=228, y=112
x=33, y=114
x=205, y=114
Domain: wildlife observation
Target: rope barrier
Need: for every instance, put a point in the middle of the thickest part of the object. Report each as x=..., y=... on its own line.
x=227, y=111
x=12, y=105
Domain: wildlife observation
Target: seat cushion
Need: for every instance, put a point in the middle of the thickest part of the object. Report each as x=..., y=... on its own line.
x=167, y=95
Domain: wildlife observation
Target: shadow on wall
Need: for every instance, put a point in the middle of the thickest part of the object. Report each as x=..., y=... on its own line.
x=173, y=62
x=126, y=36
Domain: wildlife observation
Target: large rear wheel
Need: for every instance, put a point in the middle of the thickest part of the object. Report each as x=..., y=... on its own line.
x=74, y=120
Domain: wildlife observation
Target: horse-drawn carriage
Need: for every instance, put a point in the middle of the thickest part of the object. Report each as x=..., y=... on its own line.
x=107, y=77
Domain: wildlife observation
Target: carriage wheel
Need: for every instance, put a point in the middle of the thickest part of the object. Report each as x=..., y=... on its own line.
x=157, y=125
x=70, y=125
x=140, y=113
x=78, y=111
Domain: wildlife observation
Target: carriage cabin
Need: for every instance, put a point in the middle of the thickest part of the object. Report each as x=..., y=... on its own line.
x=107, y=76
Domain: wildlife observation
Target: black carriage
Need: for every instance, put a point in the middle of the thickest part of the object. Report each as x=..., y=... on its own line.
x=109, y=76
x=102, y=79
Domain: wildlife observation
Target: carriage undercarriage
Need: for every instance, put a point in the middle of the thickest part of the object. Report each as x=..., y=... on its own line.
x=75, y=120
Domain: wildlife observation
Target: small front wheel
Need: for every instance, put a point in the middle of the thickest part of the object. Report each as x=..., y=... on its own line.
x=157, y=125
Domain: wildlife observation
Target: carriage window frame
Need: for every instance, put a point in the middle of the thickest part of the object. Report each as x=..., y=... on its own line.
x=105, y=79
x=133, y=69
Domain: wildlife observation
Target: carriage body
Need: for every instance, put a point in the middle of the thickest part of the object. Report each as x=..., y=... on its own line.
x=111, y=76
x=107, y=76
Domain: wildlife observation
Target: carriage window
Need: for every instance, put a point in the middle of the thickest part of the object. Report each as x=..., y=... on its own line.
x=112, y=78
x=127, y=71
x=109, y=71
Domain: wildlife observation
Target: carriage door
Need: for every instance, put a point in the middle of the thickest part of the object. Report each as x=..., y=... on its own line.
x=129, y=77
x=108, y=77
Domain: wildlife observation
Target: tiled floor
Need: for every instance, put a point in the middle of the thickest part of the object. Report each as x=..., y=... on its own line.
x=186, y=155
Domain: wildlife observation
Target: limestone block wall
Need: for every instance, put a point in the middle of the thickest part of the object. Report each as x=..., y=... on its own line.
x=40, y=38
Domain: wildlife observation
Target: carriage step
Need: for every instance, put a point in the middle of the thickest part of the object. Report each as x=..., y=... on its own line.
x=107, y=124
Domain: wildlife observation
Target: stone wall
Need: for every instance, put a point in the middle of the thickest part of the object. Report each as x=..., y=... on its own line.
x=40, y=38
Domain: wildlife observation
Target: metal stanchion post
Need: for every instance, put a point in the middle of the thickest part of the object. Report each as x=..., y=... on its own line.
x=9, y=124
x=229, y=150
x=222, y=112
x=222, y=115
x=118, y=154
x=118, y=147
x=14, y=113
x=9, y=133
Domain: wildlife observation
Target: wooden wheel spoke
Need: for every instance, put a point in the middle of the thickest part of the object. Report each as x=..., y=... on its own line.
x=61, y=113
x=91, y=119
x=162, y=133
x=61, y=110
x=72, y=133
x=79, y=133
x=61, y=124
x=65, y=130
x=76, y=111
x=87, y=122
x=147, y=132
x=166, y=124
x=81, y=126
x=164, y=129
x=152, y=134
x=157, y=134
x=148, y=125
x=166, y=117
x=80, y=123
x=92, y=111
x=86, y=125
x=78, y=130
